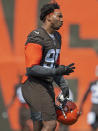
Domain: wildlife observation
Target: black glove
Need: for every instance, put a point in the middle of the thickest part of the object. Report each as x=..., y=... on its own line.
x=64, y=94
x=65, y=70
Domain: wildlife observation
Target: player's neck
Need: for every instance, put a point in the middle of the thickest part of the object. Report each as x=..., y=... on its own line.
x=48, y=28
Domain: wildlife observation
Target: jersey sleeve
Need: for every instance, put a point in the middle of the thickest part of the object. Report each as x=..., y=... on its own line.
x=33, y=54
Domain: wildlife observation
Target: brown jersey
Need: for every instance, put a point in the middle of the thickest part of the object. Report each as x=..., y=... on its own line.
x=41, y=49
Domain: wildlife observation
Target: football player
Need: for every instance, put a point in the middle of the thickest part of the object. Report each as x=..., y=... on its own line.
x=92, y=117
x=42, y=56
x=25, y=122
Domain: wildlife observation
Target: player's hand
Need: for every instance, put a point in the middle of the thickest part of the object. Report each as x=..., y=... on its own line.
x=65, y=70
x=64, y=94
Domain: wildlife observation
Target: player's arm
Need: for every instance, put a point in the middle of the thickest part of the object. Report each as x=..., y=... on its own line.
x=33, y=57
x=84, y=98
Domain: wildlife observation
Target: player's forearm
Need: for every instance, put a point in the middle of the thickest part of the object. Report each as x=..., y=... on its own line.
x=60, y=81
x=86, y=95
x=39, y=71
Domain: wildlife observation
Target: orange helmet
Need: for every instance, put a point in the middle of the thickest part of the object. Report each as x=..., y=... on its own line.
x=67, y=114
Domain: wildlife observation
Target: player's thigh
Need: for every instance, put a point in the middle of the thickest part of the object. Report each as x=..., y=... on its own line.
x=40, y=97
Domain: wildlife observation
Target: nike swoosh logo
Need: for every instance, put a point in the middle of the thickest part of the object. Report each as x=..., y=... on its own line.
x=36, y=32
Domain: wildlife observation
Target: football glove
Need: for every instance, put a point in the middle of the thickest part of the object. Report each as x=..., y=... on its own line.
x=64, y=94
x=65, y=70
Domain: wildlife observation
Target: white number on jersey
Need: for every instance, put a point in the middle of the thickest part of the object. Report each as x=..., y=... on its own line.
x=51, y=57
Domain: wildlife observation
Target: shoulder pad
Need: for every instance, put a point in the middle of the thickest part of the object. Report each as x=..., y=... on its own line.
x=35, y=37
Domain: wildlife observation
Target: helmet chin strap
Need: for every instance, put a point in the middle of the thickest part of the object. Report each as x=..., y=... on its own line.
x=61, y=106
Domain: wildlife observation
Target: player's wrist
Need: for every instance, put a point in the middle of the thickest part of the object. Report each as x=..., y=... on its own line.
x=65, y=91
x=60, y=70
